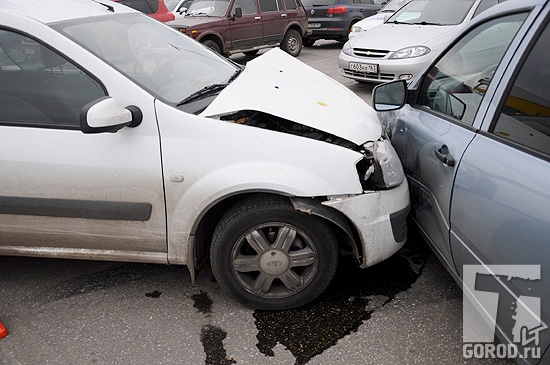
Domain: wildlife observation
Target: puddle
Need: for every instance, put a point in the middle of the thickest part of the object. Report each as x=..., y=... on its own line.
x=203, y=303
x=349, y=301
x=212, y=340
x=153, y=294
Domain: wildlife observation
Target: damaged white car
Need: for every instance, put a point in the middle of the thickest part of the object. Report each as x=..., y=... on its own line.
x=123, y=140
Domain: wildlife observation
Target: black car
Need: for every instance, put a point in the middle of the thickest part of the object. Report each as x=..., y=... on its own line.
x=332, y=19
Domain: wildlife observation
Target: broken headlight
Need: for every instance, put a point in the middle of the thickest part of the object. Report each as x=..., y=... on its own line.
x=380, y=168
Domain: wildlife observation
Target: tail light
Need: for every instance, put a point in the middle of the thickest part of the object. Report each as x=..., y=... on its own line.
x=337, y=10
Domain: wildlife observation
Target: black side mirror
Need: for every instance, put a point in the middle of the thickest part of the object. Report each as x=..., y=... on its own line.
x=238, y=13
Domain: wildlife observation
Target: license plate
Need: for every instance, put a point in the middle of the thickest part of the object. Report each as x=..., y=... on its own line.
x=363, y=67
x=314, y=25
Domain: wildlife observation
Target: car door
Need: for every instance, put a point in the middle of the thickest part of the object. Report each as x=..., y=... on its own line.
x=65, y=193
x=246, y=31
x=431, y=136
x=500, y=213
x=274, y=20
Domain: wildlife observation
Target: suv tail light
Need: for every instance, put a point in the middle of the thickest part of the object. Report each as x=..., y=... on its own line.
x=337, y=10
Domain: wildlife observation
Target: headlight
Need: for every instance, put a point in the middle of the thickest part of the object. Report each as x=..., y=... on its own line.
x=410, y=52
x=347, y=49
x=388, y=171
x=356, y=28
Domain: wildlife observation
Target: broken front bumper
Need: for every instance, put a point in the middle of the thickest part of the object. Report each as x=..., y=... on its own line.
x=380, y=219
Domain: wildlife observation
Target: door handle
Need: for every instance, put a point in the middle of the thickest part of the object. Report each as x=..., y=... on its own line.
x=257, y=18
x=443, y=155
x=283, y=15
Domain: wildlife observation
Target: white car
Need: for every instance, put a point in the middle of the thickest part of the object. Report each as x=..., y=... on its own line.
x=379, y=18
x=178, y=7
x=412, y=37
x=122, y=139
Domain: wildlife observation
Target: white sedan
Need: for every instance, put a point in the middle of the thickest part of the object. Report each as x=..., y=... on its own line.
x=122, y=139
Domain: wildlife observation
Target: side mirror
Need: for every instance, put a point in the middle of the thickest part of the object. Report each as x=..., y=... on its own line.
x=389, y=96
x=238, y=13
x=106, y=115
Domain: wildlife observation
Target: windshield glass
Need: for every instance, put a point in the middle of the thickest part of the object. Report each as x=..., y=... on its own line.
x=208, y=8
x=393, y=5
x=440, y=12
x=170, y=65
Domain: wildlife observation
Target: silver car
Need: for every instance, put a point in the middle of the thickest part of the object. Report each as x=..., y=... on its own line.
x=473, y=135
x=411, y=38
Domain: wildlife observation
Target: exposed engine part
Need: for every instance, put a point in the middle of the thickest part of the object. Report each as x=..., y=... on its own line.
x=271, y=122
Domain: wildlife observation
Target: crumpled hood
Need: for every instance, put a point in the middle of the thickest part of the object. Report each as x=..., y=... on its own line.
x=393, y=37
x=279, y=84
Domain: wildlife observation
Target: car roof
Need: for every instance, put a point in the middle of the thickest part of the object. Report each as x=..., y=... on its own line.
x=51, y=11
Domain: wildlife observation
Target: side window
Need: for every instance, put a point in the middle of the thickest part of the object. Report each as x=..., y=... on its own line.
x=525, y=115
x=248, y=6
x=290, y=5
x=484, y=5
x=39, y=87
x=456, y=85
x=271, y=5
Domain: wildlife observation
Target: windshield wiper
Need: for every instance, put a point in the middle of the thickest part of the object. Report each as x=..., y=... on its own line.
x=205, y=90
x=210, y=88
x=425, y=23
x=199, y=13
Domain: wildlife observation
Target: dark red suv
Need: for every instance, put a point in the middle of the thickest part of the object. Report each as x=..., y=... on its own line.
x=245, y=26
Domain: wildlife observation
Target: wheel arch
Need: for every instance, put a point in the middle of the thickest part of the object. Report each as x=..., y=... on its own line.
x=215, y=38
x=199, y=248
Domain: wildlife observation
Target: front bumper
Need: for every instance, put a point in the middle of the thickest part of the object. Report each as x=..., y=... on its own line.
x=388, y=69
x=380, y=219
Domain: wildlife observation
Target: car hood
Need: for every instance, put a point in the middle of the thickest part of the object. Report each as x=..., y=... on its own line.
x=278, y=84
x=393, y=37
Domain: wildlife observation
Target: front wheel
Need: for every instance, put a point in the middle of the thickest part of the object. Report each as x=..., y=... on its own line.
x=292, y=43
x=270, y=256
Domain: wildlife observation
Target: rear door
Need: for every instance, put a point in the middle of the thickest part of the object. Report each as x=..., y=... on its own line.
x=275, y=19
x=500, y=213
x=246, y=32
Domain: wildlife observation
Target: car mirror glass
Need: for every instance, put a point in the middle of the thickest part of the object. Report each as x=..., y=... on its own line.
x=390, y=96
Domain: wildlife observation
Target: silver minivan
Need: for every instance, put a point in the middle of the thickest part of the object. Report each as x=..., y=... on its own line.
x=473, y=135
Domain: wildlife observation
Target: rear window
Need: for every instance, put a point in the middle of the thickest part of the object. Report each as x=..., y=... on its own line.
x=290, y=5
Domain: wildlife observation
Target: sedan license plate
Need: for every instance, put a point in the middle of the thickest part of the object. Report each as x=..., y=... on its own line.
x=364, y=67
x=314, y=25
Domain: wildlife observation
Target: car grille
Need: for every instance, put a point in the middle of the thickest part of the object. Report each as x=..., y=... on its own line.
x=370, y=53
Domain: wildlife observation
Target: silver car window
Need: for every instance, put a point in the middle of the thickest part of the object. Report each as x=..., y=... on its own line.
x=41, y=88
x=456, y=84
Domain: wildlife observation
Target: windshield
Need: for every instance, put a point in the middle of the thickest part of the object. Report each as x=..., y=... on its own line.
x=170, y=65
x=440, y=12
x=393, y=5
x=208, y=8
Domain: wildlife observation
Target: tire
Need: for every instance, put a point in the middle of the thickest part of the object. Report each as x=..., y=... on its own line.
x=292, y=43
x=212, y=45
x=308, y=42
x=270, y=256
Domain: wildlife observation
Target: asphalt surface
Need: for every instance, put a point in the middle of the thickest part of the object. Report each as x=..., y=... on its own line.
x=406, y=310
